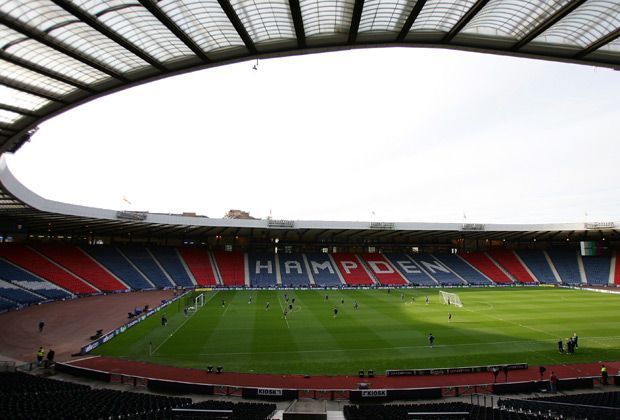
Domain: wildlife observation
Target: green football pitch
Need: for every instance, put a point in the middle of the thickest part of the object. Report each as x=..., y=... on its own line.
x=387, y=331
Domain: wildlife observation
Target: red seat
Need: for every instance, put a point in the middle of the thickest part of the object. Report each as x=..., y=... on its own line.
x=37, y=264
x=232, y=267
x=199, y=263
x=487, y=267
x=351, y=269
x=77, y=261
x=382, y=269
x=511, y=263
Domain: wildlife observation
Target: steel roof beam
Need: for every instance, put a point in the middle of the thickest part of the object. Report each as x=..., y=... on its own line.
x=471, y=13
x=42, y=38
x=27, y=89
x=175, y=29
x=236, y=22
x=298, y=22
x=599, y=43
x=43, y=71
x=411, y=19
x=104, y=30
x=355, y=20
x=552, y=20
x=21, y=111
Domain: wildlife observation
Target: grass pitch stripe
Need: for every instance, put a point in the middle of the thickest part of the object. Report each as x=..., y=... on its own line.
x=182, y=324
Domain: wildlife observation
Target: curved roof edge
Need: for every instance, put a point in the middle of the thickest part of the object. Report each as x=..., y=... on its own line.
x=22, y=205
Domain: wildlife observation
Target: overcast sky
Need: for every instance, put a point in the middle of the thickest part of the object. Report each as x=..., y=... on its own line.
x=409, y=134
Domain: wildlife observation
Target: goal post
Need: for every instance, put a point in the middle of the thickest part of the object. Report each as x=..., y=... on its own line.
x=199, y=302
x=450, y=298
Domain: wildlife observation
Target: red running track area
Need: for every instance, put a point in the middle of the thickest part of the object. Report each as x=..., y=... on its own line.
x=251, y=380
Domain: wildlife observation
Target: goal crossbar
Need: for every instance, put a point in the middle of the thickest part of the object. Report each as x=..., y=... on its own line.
x=450, y=298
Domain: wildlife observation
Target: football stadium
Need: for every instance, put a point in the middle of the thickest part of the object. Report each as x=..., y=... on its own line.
x=115, y=313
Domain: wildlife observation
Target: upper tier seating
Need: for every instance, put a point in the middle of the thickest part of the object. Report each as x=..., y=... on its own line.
x=441, y=270
x=293, y=270
x=323, y=270
x=352, y=269
x=109, y=257
x=410, y=270
x=511, y=263
x=199, y=263
x=35, y=263
x=17, y=294
x=486, y=266
x=597, y=269
x=22, y=278
x=75, y=260
x=144, y=262
x=565, y=262
x=170, y=260
x=538, y=265
x=262, y=269
x=232, y=267
x=383, y=270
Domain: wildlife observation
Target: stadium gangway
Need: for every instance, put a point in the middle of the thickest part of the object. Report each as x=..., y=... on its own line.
x=204, y=413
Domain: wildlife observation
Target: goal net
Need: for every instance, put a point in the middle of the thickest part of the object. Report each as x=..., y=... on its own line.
x=450, y=298
x=199, y=302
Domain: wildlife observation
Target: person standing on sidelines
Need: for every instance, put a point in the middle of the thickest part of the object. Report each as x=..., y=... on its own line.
x=40, y=355
x=604, y=375
x=553, y=382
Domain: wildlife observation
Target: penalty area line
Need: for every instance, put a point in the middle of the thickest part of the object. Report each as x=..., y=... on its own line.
x=180, y=326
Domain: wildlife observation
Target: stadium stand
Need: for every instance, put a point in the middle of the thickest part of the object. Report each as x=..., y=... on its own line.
x=170, y=261
x=565, y=262
x=111, y=259
x=577, y=406
x=231, y=266
x=538, y=265
x=597, y=269
x=383, y=271
x=5, y=305
x=352, y=270
x=15, y=275
x=144, y=262
x=444, y=411
x=511, y=263
x=199, y=263
x=410, y=270
x=293, y=270
x=323, y=270
x=37, y=264
x=240, y=411
x=262, y=269
x=455, y=264
x=28, y=397
x=481, y=262
x=17, y=294
x=76, y=261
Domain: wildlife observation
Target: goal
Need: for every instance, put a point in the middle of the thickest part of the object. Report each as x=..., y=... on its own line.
x=199, y=302
x=450, y=298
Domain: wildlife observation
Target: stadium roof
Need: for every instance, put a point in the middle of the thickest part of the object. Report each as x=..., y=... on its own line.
x=22, y=211
x=55, y=54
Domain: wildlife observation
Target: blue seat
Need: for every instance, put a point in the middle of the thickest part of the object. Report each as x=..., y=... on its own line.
x=109, y=257
x=171, y=262
x=437, y=270
x=470, y=274
x=597, y=269
x=323, y=270
x=293, y=270
x=262, y=269
x=410, y=270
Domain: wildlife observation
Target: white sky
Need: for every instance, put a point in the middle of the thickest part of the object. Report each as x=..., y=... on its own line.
x=411, y=134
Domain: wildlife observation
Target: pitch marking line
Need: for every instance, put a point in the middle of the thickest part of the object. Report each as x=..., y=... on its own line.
x=281, y=307
x=182, y=323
